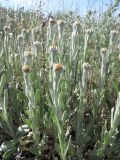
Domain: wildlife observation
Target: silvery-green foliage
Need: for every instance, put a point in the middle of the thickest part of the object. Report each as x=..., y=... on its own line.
x=74, y=38
x=85, y=75
x=55, y=82
x=115, y=115
x=104, y=64
x=21, y=47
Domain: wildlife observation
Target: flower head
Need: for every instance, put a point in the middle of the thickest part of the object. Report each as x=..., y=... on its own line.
x=103, y=50
x=58, y=67
x=26, y=68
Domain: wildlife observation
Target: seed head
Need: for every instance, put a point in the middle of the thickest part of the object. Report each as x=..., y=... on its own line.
x=58, y=67
x=26, y=68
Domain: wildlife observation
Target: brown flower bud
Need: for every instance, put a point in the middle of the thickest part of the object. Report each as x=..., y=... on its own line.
x=58, y=67
x=26, y=68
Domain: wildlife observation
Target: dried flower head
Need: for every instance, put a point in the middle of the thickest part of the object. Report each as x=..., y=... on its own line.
x=58, y=67
x=26, y=68
x=103, y=50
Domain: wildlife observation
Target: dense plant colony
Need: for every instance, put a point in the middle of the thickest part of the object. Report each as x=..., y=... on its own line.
x=59, y=86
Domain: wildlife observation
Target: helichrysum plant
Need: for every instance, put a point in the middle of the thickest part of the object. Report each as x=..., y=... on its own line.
x=59, y=85
x=104, y=64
